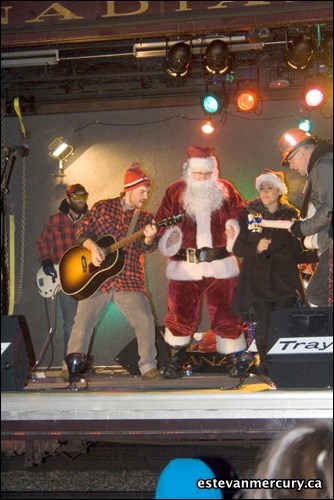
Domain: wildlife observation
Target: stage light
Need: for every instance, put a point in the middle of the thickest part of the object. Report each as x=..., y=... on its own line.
x=300, y=54
x=211, y=104
x=246, y=101
x=217, y=59
x=314, y=97
x=305, y=125
x=60, y=149
x=77, y=364
x=178, y=60
x=208, y=127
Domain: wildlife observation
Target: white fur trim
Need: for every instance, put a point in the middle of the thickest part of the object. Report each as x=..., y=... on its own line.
x=271, y=179
x=227, y=346
x=203, y=232
x=174, y=341
x=235, y=225
x=202, y=164
x=311, y=242
x=220, y=269
x=170, y=250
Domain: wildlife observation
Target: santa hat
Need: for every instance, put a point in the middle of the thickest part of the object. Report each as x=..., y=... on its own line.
x=135, y=177
x=200, y=159
x=274, y=178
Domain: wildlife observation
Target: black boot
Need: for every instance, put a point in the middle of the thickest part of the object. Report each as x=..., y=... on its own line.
x=173, y=369
x=239, y=363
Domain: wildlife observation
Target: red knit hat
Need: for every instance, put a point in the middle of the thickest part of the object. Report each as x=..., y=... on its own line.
x=135, y=177
x=201, y=158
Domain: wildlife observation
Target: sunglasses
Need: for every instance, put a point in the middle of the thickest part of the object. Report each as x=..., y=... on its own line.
x=77, y=197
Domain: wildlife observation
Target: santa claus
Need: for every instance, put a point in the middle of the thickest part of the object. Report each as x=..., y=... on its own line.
x=200, y=261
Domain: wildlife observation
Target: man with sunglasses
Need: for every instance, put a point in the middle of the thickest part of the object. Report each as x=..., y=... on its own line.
x=57, y=236
x=312, y=158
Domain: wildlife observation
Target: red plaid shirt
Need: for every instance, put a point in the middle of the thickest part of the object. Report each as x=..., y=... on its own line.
x=107, y=217
x=57, y=237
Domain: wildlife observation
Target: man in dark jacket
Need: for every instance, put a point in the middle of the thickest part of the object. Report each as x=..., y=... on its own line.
x=55, y=239
x=313, y=158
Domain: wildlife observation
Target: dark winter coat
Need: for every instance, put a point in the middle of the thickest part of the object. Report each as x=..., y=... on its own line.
x=273, y=274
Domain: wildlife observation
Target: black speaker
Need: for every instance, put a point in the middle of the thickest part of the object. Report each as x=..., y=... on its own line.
x=14, y=354
x=300, y=348
x=128, y=356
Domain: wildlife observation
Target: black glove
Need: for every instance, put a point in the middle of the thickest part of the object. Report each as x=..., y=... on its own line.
x=48, y=268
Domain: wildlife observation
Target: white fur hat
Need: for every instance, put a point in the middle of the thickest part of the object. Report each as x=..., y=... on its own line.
x=201, y=159
x=274, y=178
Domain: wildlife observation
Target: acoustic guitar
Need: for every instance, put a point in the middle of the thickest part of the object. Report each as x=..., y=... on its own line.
x=78, y=275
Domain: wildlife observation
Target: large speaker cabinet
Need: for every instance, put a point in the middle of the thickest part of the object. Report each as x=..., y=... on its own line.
x=14, y=354
x=300, y=348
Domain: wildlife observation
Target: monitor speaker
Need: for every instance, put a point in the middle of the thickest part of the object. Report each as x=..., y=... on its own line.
x=14, y=354
x=300, y=348
x=128, y=357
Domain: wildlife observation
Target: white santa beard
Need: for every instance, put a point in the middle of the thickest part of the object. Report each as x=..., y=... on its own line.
x=202, y=196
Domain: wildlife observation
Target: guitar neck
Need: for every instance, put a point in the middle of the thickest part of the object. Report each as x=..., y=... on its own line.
x=126, y=241
x=278, y=224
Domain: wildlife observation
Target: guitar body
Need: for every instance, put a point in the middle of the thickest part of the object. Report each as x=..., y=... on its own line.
x=47, y=285
x=78, y=275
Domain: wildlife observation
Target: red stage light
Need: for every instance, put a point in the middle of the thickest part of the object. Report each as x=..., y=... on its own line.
x=246, y=101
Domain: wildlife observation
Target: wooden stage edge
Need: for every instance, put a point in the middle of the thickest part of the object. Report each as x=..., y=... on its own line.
x=120, y=407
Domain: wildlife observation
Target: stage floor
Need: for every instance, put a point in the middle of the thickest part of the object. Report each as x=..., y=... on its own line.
x=117, y=406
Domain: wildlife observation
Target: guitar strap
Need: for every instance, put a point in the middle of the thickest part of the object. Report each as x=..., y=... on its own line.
x=133, y=221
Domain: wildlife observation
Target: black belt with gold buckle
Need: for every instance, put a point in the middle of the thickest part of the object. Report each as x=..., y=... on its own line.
x=205, y=254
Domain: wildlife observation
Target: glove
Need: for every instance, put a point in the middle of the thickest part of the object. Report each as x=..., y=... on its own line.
x=48, y=268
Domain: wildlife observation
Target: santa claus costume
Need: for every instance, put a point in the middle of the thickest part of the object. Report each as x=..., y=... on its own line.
x=200, y=260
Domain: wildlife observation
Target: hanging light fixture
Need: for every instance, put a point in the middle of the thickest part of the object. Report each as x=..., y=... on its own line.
x=217, y=59
x=300, y=54
x=178, y=60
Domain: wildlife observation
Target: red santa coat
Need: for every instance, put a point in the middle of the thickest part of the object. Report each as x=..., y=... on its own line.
x=216, y=280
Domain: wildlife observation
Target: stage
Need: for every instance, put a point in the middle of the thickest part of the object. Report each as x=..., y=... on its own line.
x=119, y=407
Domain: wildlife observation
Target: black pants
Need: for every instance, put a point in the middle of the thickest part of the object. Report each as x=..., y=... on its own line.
x=262, y=311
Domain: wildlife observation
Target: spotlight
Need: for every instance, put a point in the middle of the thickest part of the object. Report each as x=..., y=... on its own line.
x=214, y=102
x=178, y=60
x=305, y=125
x=77, y=364
x=217, y=58
x=314, y=97
x=299, y=56
x=211, y=104
x=246, y=101
x=59, y=149
x=208, y=127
